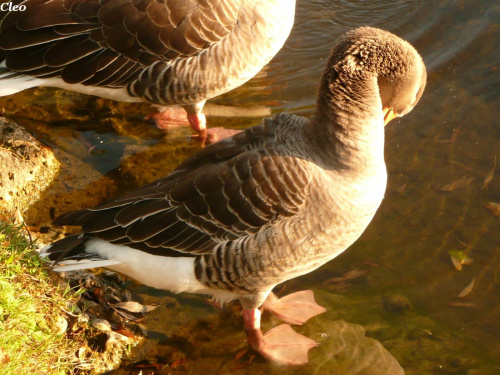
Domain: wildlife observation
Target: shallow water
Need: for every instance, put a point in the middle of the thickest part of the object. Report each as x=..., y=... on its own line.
x=440, y=160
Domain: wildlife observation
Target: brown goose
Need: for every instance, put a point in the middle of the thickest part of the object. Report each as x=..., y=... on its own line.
x=269, y=204
x=164, y=52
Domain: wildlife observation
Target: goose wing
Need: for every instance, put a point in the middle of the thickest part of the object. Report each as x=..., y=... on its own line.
x=110, y=42
x=227, y=191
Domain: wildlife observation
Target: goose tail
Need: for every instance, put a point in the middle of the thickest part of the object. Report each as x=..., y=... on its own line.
x=74, y=253
x=12, y=82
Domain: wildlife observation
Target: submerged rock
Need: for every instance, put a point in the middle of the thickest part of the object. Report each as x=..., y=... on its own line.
x=396, y=304
x=26, y=167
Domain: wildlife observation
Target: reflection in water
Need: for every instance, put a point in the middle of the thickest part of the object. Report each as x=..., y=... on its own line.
x=406, y=253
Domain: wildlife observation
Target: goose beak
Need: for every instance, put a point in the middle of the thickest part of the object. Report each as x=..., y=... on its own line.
x=389, y=115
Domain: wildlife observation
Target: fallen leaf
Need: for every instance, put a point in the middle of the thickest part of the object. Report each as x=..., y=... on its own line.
x=400, y=189
x=493, y=207
x=459, y=258
x=467, y=290
x=489, y=176
x=126, y=315
x=125, y=332
x=463, y=304
x=459, y=184
x=461, y=242
x=134, y=307
x=346, y=276
x=456, y=263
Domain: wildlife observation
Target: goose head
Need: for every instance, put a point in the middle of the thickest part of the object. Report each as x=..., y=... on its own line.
x=373, y=73
x=402, y=76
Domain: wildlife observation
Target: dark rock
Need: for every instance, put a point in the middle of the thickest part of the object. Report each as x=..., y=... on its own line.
x=396, y=303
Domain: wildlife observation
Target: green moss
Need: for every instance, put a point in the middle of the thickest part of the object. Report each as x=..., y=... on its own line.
x=32, y=312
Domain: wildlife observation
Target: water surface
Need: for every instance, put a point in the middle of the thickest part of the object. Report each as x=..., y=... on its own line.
x=398, y=282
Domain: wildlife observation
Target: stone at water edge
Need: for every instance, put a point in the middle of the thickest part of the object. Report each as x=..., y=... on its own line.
x=26, y=168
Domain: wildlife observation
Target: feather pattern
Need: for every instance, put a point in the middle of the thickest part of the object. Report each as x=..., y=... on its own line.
x=162, y=51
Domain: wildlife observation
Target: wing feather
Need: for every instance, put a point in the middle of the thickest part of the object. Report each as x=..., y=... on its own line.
x=137, y=33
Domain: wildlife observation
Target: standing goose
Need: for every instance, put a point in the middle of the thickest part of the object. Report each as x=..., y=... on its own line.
x=264, y=206
x=164, y=52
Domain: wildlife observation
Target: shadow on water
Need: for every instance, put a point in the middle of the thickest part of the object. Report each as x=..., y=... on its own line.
x=394, y=296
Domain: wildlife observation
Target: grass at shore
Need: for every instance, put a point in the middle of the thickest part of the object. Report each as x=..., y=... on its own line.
x=32, y=312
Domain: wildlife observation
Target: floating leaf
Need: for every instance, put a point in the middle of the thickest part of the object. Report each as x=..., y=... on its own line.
x=456, y=263
x=459, y=184
x=468, y=289
x=459, y=258
x=493, y=207
x=489, y=176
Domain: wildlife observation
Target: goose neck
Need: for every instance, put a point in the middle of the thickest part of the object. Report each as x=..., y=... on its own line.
x=348, y=125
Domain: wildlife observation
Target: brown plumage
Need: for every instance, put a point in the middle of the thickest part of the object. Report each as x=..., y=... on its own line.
x=269, y=204
x=164, y=52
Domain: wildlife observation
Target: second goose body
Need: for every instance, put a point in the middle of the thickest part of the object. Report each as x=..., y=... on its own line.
x=164, y=52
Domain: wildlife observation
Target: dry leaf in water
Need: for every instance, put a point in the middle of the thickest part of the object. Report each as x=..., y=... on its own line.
x=346, y=276
x=463, y=304
x=400, y=189
x=456, y=263
x=468, y=289
x=126, y=332
x=490, y=175
x=493, y=207
x=459, y=258
x=134, y=307
x=461, y=183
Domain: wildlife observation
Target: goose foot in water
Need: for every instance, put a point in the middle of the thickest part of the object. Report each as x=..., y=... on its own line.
x=281, y=344
x=296, y=308
x=168, y=117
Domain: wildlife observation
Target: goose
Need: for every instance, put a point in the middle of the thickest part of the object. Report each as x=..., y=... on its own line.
x=266, y=205
x=165, y=52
